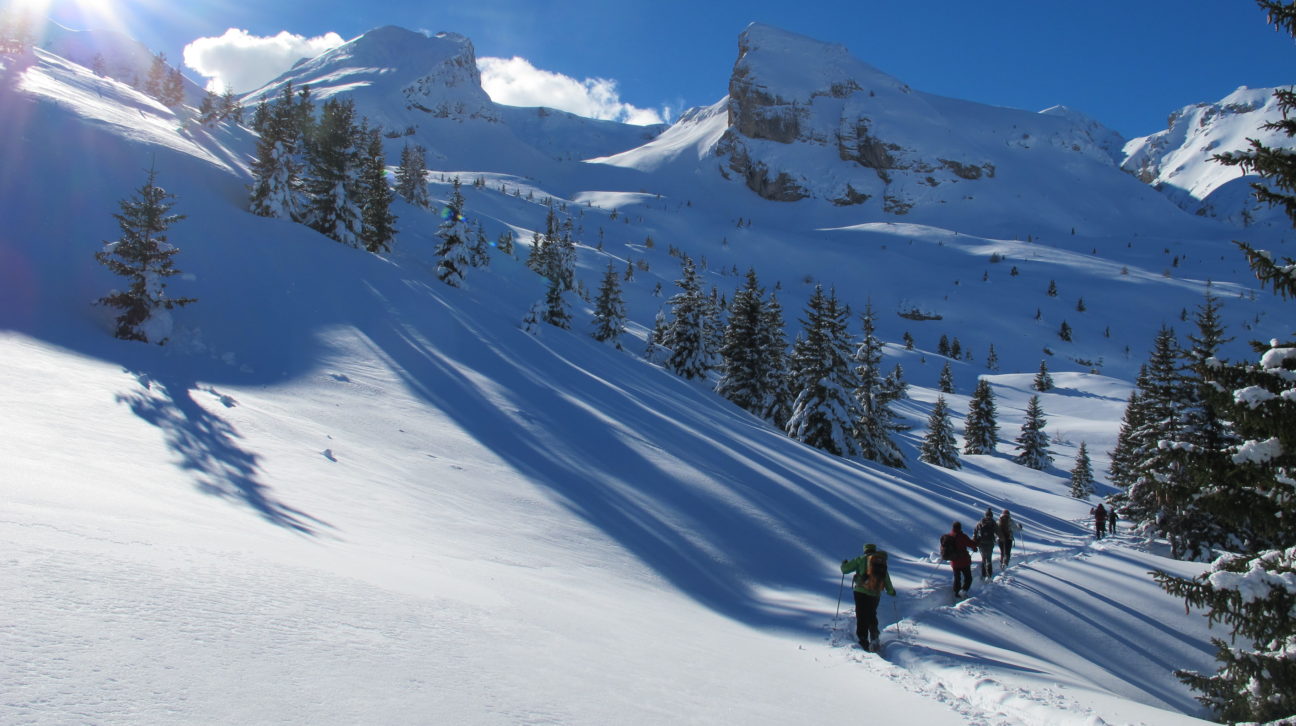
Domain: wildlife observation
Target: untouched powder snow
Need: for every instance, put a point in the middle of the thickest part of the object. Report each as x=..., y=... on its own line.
x=347, y=493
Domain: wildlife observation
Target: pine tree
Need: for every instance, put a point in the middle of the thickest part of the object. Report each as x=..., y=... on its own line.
x=743, y=369
x=771, y=340
x=333, y=173
x=992, y=359
x=172, y=92
x=1122, y=469
x=143, y=256
x=982, y=429
x=1082, y=478
x=824, y=412
x=686, y=335
x=1043, y=381
x=946, y=383
x=1256, y=484
x=378, y=224
x=938, y=447
x=609, y=310
x=277, y=188
x=874, y=396
x=1064, y=332
x=1032, y=442
x=411, y=176
x=156, y=76
x=555, y=309
x=230, y=107
x=454, y=256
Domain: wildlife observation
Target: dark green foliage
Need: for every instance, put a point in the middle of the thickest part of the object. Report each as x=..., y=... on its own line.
x=687, y=335
x=1032, y=442
x=454, y=254
x=824, y=411
x=411, y=176
x=938, y=447
x=946, y=383
x=874, y=395
x=1082, y=479
x=378, y=224
x=143, y=256
x=334, y=161
x=609, y=310
x=1043, y=381
x=981, y=429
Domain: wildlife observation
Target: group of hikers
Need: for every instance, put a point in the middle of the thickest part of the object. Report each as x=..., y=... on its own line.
x=871, y=578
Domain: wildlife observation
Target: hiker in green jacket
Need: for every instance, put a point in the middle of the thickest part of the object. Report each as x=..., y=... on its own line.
x=871, y=578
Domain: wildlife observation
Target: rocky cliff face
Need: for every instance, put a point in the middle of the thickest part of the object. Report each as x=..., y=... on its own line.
x=806, y=119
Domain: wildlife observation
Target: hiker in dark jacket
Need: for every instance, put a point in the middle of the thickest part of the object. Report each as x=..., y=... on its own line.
x=985, y=534
x=871, y=578
x=959, y=559
x=1111, y=520
x=1006, y=537
x=1100, y=519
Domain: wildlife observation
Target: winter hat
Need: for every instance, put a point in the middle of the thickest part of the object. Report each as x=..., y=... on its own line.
x=958, y=526
x=870, y=548
x=989, y=512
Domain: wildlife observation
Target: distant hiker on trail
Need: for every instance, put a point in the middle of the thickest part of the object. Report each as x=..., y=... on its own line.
x=1006, y=537
x=871, y=578
x=985, y=534
x=954, y=547
x=1100, y=519
x=1111, y=520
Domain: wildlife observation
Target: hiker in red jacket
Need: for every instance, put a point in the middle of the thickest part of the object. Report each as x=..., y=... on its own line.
x=1100, y=519
x=954, y=547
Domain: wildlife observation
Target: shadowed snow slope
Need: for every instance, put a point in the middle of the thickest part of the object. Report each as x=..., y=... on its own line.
x=345, y=492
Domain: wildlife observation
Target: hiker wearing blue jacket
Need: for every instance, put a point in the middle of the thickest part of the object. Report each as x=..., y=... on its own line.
x=871, y=578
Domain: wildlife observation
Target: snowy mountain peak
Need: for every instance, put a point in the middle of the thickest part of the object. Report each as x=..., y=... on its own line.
x=1179, y=160
x=782, y=66
x=436, y=75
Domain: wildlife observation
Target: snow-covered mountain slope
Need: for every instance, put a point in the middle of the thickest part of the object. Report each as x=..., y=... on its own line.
x=428, y=89
x=1178, y=161
x=807, y=120
x=347, y=493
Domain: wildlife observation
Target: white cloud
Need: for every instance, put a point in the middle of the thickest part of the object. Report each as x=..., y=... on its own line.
x=245, y=62
x=515, y=82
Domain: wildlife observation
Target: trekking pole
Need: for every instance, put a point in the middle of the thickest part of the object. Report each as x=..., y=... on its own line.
x=839, y=592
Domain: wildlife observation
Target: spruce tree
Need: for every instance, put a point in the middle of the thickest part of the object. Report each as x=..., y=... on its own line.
x=555, y=308
x=824, y=412
x=143, y=256
x=333, y=174
x=378, y=224
x=1032, y=442
x=1082, y=478
x=982, y=429
x=454, y=256
x=411, y=176
x=609, y=310
x=992, y=359
x=771, y=340
x=1043, y=381
x=874, y=396
x=277, y=184
x=946, y=383
x=938, y=448
x=686, y=335
x=1252, y=591
x=744, y=373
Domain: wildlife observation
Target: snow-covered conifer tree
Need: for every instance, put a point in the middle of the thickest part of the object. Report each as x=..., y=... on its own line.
x=1043, y=381
x=333, y=174
x=744, y=368
x=686, y=335
x=771, y=340
x=946, y=383
x=143, y=256
x=411, y=176
x=277, y=184
x=609, y=310
x=824, y=412
x=873, y=396
x=1032, y=442
x=454, y=256
x=981, y=431
x=938, y=447
x=378, y=224
x=1082, y=479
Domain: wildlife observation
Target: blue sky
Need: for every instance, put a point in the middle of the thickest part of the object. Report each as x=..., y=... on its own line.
x=1126, y=64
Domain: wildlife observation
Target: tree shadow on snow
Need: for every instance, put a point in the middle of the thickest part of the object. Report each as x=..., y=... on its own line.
x=208, y=446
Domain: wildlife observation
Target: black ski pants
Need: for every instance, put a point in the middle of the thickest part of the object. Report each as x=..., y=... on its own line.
x=1005, y=551
x=866, y=620
x=987, y=558
x=962, y=577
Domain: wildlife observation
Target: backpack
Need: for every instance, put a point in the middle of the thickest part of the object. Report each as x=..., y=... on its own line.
x=947, y=551
x=875, y=577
